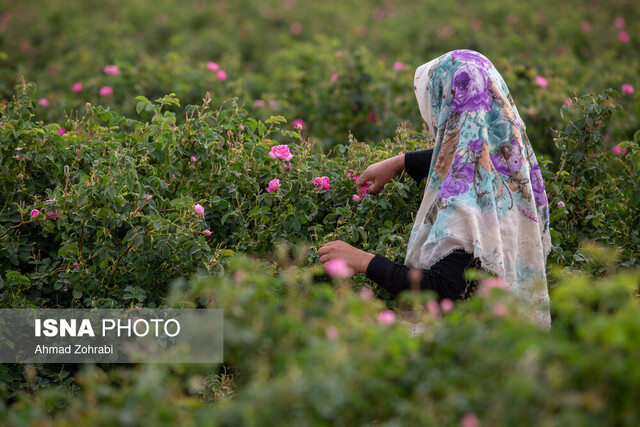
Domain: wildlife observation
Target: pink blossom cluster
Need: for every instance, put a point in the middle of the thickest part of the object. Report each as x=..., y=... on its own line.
x=220, y=74
x=435, y=308
x=112, y=70
x=322, y=183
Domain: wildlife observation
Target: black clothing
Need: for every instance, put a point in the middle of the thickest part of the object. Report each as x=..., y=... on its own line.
x=417, y=163
x=446, y=277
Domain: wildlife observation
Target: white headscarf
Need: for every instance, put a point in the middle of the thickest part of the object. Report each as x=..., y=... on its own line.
x=484, y=192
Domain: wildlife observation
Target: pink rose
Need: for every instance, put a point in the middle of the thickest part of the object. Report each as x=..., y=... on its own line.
x=542, y=82
x=619, y=151
x=298, y=124
x=259, y=103
x=222, y=75
x=44, y=102
x=627, y=88
x=199, y=209
x=106, y=91
x=52, y=215
x=585, y=26
x=334, y=77
x=619, y=22
x=624, y=37
x=356, y=198
x=387, y=317
x=433, y=307
x=193, y=159
x=364, y=189
x=62, y=131
x=281, y=152
x=446, y=305
x=331, y=333
x=322, y=183
x=212, y=66
x=492, y=282
x=34, y=213
x=19, y=149
x=273, y=185
x=338, y=267
x=398, y=65
x=470, y=420
x=149, y=197
x=112, y=70
x=561, y=204
x=77, y=87
x=296, y=28
x=207, y=232
x=499, y=309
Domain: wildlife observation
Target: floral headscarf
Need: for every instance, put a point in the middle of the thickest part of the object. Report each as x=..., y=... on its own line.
x=484, y=192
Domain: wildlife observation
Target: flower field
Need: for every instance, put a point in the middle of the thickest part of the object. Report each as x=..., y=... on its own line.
x=197, y=154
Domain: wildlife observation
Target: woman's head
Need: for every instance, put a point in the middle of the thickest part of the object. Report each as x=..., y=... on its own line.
x=455, y=82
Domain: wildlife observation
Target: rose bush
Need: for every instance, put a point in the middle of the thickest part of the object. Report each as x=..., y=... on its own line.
x=113, y=194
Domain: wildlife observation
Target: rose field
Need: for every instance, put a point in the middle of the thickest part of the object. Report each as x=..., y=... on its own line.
x=198, y=154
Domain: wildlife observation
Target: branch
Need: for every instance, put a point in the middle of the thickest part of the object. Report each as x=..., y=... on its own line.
x=11, y=228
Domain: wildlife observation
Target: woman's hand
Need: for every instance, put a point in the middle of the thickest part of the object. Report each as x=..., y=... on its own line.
x=379, y=174
x=358, y=260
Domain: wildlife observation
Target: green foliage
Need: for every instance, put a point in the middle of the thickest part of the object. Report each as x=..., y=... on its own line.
x=594, y=195
x=116, y=190
x=112, y=246
x=308, y=352
x=162, y=48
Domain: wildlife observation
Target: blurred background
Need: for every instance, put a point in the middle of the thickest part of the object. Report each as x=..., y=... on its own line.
x=339, y=66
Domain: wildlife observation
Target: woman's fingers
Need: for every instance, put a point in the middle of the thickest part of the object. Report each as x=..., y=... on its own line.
x=330, y=250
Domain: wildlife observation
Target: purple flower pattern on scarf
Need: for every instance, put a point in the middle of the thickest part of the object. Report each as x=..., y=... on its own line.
x=471, y=56
x=476, y=146
x=457, y=180
x=509, y=162
x=470, y=89
x=538, y=185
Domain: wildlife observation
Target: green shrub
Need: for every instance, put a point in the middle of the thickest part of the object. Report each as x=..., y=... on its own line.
x=594, y=195
x=304, y=351
x=112, y=246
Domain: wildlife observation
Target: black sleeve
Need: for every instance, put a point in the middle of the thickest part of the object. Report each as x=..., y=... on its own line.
x=417, y=163
x=446, y=277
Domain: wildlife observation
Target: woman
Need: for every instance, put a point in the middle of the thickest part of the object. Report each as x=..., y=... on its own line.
x=484, y=203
